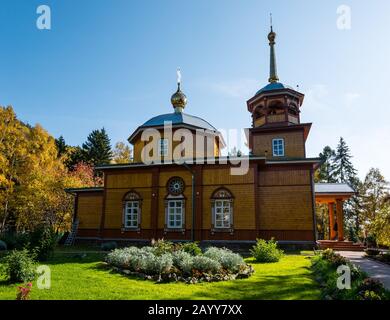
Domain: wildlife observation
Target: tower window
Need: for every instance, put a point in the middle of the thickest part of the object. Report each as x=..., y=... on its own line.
x=163, y=147
x=278, y=147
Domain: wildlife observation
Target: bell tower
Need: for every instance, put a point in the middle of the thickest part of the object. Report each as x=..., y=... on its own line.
x=275, y=111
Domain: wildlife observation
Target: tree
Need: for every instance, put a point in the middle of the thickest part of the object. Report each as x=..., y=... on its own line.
x=61, y=146
x=343, y=169
x=83, y=175
x=13, y=152
x=325, y=173
x=122, y=153
x=97, y=148
x=74, y=155
x=375, y=208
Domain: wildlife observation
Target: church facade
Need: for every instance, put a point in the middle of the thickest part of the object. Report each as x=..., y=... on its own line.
x=199, y=197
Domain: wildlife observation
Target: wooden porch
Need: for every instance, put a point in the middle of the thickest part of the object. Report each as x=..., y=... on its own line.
x=333, y=196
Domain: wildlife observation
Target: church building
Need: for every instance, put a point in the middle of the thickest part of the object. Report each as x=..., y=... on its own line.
x=199, y=197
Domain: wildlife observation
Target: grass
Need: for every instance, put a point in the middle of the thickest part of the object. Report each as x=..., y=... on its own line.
x=79, y=278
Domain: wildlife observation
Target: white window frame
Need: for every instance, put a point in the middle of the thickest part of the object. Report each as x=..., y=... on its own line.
x=163, y=147
x=175, y=223
x=221, y=205
x=276, y=148
x=135, y=211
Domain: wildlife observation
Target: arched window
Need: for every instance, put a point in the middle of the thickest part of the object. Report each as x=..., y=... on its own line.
x=222, y=210
x=175, y=205
x=132, y=203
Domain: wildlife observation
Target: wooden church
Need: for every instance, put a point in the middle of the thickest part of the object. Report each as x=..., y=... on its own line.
x=201, y=200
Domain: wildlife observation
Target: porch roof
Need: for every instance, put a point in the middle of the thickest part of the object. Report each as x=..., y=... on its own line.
x=330, y=192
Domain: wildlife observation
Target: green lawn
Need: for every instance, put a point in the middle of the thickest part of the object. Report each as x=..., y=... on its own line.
x=81, y=278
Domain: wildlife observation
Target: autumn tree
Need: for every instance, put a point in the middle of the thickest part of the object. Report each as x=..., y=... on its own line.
x=13, y=152
x=121, y=153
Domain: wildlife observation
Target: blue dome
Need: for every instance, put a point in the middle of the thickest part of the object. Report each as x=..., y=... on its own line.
x=273, y=86
x=178, y=118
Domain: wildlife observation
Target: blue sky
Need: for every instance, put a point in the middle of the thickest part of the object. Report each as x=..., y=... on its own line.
x=113, y=64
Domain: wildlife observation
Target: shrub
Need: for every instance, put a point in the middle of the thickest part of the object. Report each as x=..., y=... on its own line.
x=370, y=295
x=158, y=264
x=266, y=251
x=124, y=258
x=205, y=264
x=108, y=246
x=162, y=246
x=183, y=261
x=327, y=253
x=43, y=241
x=24, y=292
x=17, y=241
x=228, y=260
x=3, y=246
x=140, y=260
x=18, y=266
x=192, y=248
x=372, y=252
x=370, y=284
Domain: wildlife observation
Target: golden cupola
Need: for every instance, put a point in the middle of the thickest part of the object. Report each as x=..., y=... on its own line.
x=179, y=99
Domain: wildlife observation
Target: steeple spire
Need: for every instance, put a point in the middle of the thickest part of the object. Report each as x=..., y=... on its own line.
x=273, y=74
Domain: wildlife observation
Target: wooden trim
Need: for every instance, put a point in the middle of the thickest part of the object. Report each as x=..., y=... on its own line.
x=199, y=202
x=256, y=195
x=340, y=219
x=75, y=208
x=239, y=234
x=313, y=203
x=103, y=217
x=155, y=200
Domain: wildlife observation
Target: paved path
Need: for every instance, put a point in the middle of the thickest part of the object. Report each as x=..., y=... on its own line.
x=374, y=269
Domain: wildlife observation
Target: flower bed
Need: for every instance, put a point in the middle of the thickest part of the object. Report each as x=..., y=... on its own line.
x=325, y=265
x=165, y=262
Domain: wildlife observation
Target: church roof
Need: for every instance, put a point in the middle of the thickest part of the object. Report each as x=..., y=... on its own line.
x=273, y=86
x=178, y=118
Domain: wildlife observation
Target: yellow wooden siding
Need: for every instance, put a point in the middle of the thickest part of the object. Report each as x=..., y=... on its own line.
x=294, y=144
x=284, y=177
x=213, y=176
x=260, y=121
x=114, y=208
x=243, y=206
x=173, y=144
x=129, y=180
x=89, y=211
x=286, y=208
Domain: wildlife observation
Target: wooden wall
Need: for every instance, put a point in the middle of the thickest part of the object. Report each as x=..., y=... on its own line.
x=269, y=201
x=210, y=149
x=294, y=144
x=285, y=199
x=241, y=187
x=89, y=209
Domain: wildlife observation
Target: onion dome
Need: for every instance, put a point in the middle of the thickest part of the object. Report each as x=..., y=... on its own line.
x=179, y=100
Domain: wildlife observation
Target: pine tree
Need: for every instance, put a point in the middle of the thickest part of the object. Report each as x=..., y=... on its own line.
x=97, y=148
x=61, y=146
x=343, y=170
x=325, y=173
